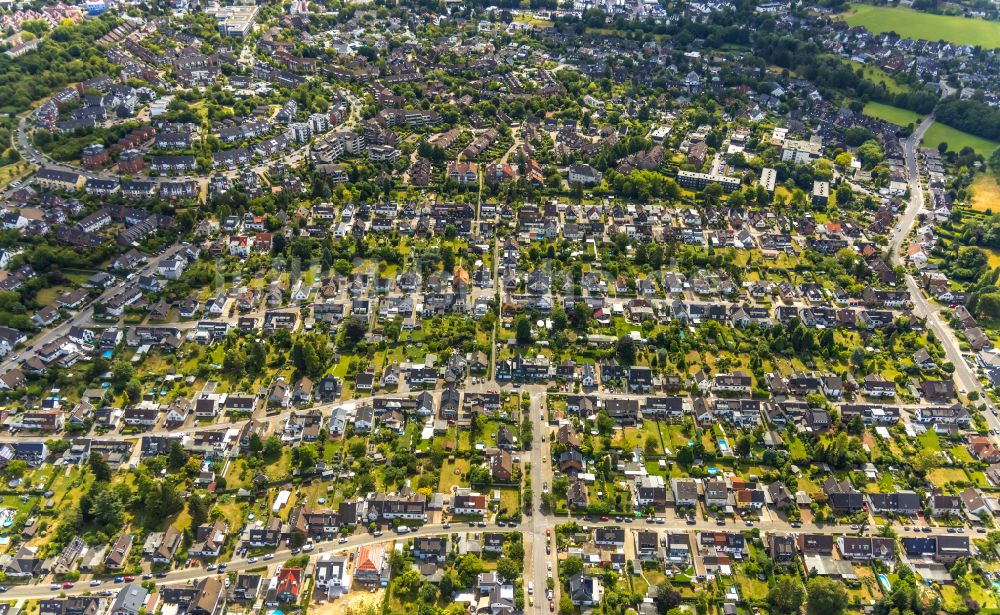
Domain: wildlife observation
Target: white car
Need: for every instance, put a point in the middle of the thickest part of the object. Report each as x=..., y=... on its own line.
x=268, y=556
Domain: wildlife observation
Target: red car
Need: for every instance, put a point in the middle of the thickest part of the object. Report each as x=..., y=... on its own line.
x=552, y=606
x=68, y=585
x=129, y=579
x=548, y=531
x=604, y=518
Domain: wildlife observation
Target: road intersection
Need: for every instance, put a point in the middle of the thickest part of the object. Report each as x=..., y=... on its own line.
x=536, y=526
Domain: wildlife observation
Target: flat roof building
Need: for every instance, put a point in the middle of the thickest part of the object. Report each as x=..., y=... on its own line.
x=821, y=193
x=234, y=20
x=699, y=181
x=768, y=178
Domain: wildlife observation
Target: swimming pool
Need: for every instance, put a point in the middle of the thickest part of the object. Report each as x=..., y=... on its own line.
x=723, y=446
x=884, y=582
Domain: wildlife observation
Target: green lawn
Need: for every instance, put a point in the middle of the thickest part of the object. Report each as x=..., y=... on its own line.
x=915, y=24
x=961, y=454
x=942, y=476
x=956, y=140
x=877, y=75
x=888, y=113
x=449, y=477
x=929, y=441
x=797, y=450
x=535, y=21
x=47, y=296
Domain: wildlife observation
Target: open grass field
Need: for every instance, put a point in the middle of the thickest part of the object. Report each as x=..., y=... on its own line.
x=929, y=441
x=451, y=474
x=888, y=113
x=538, y=22
x=956, y=140
x=943, y=476
x=915, y=24
x=877, y=75
x=994, y=257
x=47, y=296
x=986, y=193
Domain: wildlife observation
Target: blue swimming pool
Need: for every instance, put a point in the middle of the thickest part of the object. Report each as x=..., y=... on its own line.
x=723, y=446
x=884, y=582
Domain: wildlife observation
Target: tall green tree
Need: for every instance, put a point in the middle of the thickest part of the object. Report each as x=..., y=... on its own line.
x=198, y=507
x=522, y=329
x=826, y=597
x=786, y=596
x=626, y=351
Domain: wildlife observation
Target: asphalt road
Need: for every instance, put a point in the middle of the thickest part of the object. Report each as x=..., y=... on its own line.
x=904, y=224
x=529, y=527
x=541, y=475
x=83, y=317
x=965, y=375
x=535, y=525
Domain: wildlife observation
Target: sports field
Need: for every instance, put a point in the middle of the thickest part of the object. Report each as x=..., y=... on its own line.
x=888, y=113
x=956, y=140
x=916, y=24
